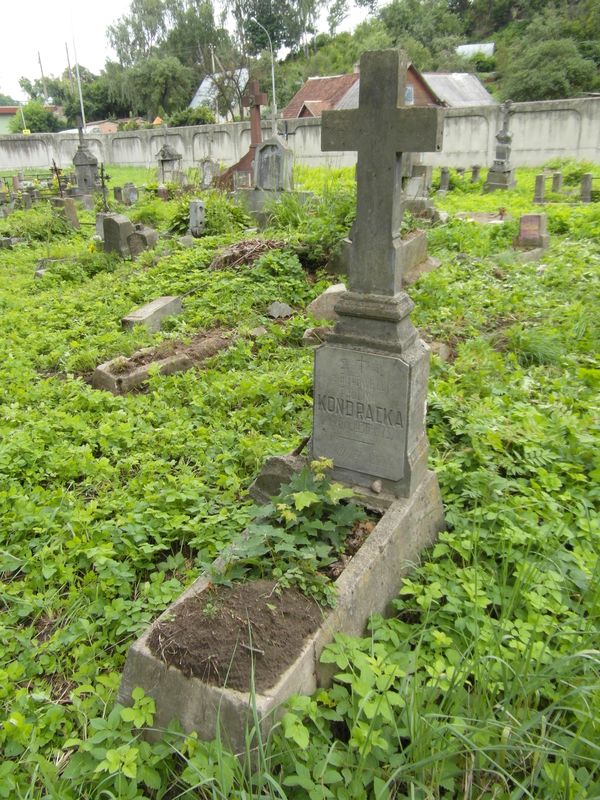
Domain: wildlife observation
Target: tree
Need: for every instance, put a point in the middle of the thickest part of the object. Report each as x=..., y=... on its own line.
x=548, y=70
x=37, y=119
x=155, y=86
x=6, y=100
x=135, y=36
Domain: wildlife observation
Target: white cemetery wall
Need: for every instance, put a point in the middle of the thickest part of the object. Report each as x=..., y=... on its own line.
x=541, y=131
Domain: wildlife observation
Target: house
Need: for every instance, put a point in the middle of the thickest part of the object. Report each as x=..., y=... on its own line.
x=230, y=84
x=6, y=114
x=447, y=89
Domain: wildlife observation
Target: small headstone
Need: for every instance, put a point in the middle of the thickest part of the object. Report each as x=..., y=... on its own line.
x=444, y=180
x=100, y=217
x=117, y=229
x=118, y=193
x=162, y=192
x=323, y=307
x=557, y=182
x=273, y=164
x=130, y=194
x=241, y=179
x=66, y=206
x=586, y=188
x=87, y=202
x=168, y=163
x=533, y=232
x=209, y=171
x=279, y=310
x=197, y=220
x=26, y=198
x=540, y=188
x=186, y=241
x=143, y=238
x=475, y=173
x=16, y=183
x=152, y=314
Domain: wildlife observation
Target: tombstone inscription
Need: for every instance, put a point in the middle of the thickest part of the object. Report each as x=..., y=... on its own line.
x=370, y=380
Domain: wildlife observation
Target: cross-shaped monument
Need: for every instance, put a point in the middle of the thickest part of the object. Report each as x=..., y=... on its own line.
x=371, y=375
x=86, y=165
x=254, y=99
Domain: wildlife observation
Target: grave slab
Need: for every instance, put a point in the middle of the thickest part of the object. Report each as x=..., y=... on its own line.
x=368, y=584
x=152, y=314
x=107, y=376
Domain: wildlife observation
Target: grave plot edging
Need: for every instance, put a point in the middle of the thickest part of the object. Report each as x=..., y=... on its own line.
x=369, y=583
x=104, y=378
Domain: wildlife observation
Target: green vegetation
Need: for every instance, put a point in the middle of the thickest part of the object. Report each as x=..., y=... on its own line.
x=486, y=680
x=38, y=119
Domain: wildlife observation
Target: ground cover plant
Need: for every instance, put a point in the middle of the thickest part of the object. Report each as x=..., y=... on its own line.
x=485, y=682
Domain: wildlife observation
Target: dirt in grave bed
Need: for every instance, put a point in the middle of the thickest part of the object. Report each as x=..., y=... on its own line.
x=202, y=346
x=217, y=634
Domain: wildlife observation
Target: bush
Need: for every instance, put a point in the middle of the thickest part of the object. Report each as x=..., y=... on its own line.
x=38, y=119
x=191, y=116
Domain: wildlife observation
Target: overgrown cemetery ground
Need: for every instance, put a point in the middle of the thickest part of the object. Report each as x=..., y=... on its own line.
x=485, y=683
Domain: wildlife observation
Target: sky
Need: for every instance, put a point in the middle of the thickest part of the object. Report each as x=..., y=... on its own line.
x=29, y=26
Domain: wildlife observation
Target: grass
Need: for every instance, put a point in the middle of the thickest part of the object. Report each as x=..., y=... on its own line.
x=485, y=683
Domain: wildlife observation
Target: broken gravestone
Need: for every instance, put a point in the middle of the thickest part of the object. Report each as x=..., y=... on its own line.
x=279, y=310
x=323, y=306
x=143, y=238
x=152, y=314
x=66, y=207
x=533, y=238
x=117, y=229
x=197, y=218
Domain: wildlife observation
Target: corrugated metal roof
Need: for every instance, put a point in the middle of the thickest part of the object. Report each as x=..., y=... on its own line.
x=459, y=89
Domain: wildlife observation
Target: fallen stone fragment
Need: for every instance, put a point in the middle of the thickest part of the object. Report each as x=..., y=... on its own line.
x=441, y=350
x=152, y=314
x=279, y=310
x=323, y=306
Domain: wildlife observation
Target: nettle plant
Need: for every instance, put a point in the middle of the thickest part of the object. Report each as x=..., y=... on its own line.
x=298, y=534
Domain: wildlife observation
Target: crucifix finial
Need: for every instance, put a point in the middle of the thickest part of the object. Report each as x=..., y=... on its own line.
x=381, y=129
x=254, y=99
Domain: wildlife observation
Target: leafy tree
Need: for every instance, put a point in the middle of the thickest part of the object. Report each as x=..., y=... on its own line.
x=157, y=85
x=6, y=100
x=135, y=36
x=37, y=119
x=548, y=70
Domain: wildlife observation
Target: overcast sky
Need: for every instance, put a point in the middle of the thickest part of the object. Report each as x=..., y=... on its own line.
x=29, y=26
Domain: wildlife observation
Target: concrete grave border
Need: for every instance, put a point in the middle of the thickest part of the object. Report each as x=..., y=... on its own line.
x=369, y=583
x=123, y=383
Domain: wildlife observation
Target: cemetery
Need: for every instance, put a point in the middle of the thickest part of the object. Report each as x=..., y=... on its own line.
x=236, y=566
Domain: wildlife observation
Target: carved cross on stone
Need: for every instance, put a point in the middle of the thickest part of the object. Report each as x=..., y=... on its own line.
x=381, y=129
x=254, y=99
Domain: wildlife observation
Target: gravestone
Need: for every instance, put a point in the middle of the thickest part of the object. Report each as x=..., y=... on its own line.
x=118, y=193
x=197, y=220
x=370, y=382
x=152, y=314
x=273, y=164
x=66, y=207
x=86, y=166
x=87, y=201
x=323, y=306
x=130, y=194
x=209, y=172
x=586, y=188
x=117, y=229
x=241, y=179
x=168, y=163
x=252, y=99
x=557, y=182
x=540, y=188
x=26, y=199
x=162, y=192
x=444, y=180
x=100, y=217
x=475, y=173
x=16, y=183
x=501, y=175
x=533, y=231
x=143, y=238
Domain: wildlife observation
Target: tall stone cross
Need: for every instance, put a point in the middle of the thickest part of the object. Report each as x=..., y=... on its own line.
x=370, y=384
x=381, y=129
x=254, y=99
x=80, y=131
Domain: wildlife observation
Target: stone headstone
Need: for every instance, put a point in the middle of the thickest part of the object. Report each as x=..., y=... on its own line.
x=501, y=174
x=540, y=188
x=209, y=172
x=143, y=238
x=87, y=201
x=66, y=206
x=100, y=217
x=16, y=183
x=533, y=232
x=557, y=182
x=130, y=194
x=152, y=314
x=162, y=192
x=197, y=220
x=444, y=180
x=168, y=163
x=475, y=173
x=586, y=188
x=117, y=229
x=370, y=384
x=323, y=307
x=242, y=179
x=118, y=193
x=26, y=199
x=273, y=164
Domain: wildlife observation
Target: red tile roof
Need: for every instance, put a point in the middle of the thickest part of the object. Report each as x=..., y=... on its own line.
x=327, y=92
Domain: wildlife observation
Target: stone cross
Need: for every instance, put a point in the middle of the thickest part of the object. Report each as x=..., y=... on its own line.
x=254, y=99
x=381, y=129
x=80, y=131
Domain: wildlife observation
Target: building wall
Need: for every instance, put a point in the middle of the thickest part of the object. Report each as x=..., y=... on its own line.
x=4, y=120
x=541, y=131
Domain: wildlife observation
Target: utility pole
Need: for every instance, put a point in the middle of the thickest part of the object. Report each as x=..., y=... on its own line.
x=70, y=70
x=78, y=83
x=43, y=77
